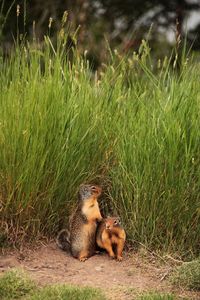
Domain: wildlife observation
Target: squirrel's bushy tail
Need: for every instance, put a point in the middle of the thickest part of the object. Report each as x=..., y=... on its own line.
x=63, y=240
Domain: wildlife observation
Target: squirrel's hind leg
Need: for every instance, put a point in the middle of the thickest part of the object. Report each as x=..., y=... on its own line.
x=119, y=249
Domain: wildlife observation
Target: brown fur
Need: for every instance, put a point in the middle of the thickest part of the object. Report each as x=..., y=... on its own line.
x=83, y=225
x=111, y=237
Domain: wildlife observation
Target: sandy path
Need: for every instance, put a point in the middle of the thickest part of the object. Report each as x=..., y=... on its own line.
x=120, y=280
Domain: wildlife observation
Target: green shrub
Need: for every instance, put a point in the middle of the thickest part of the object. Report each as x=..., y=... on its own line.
x=15, y=284
x=64, y=292
x=188, y=275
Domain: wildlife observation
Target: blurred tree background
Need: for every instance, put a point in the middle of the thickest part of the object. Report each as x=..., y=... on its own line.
x=122, y=23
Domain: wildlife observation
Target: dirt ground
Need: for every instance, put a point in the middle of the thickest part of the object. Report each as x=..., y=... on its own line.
x=46, y=264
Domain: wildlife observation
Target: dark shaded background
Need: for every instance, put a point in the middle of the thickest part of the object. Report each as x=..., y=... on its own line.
x=122, y=23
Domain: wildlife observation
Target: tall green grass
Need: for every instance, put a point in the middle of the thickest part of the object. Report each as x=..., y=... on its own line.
x=132, y=129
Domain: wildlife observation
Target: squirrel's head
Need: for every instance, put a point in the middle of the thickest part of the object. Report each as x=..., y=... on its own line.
x=112, y=222
x=87, y=191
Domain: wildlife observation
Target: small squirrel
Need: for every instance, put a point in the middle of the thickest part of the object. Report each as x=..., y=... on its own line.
x=111, y=237
x=80, y=238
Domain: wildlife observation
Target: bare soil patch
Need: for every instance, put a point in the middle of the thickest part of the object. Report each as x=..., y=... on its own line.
x=46, y=264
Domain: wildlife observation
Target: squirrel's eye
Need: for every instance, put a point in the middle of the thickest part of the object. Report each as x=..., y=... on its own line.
x=92, y=205
x=115, y=223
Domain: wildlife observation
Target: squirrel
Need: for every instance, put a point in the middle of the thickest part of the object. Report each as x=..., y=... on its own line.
x=80, y=238
x=111, y=237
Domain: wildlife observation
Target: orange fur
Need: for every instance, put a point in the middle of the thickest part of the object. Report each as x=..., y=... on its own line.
x=110, y=234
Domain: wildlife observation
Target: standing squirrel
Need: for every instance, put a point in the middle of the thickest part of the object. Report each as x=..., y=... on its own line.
x=80, y=238
x=111, y=237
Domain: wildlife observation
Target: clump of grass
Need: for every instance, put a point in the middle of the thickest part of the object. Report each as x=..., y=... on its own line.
x=188, y=275
x=156, y=296
x=63, y=292
x=15, y=284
